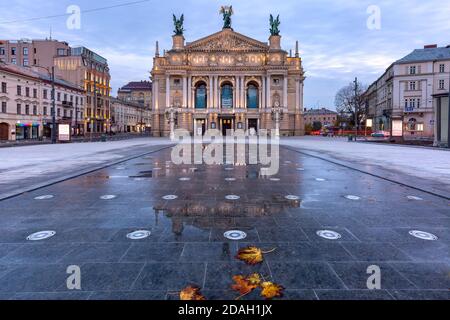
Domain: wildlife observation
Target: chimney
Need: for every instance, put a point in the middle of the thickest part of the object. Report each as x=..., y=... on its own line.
x=430, y=46
x=296, y=49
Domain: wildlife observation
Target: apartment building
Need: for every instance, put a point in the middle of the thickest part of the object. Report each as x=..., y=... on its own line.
x=26, y=103
x=325, y=116
x=138, y=92
x=26, y=53
x=129, y=116
x=410, y=98
x=89, y=70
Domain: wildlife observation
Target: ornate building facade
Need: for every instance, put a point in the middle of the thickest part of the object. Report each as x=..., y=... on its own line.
x=227, y=81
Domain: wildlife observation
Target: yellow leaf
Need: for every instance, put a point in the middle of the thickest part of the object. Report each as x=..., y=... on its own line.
x=250, y=255
x=271, y=290
x=243, y=285
x=191, y=293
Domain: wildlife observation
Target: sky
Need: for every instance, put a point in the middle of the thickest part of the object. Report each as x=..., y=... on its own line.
x=336, y=44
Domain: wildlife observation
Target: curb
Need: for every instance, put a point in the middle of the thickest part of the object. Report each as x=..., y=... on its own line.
x=75, y=174
x=378, y=174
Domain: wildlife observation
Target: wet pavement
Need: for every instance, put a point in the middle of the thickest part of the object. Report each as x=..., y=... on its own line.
x=187, y=209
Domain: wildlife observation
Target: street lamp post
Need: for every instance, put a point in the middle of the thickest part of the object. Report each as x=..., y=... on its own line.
x=51, y=73
x=277, y=113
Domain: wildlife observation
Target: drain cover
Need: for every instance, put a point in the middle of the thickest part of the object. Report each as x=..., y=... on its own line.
x=108, y=197
x=414, y=198
x=230, y=179
x=328, y=234
x=274, y=179
x=138, y=234
x=320, y=179
x=184, y=179
x=44, y=197
x=170, y=197
x=291, y=197
x=423, y=235
x=232, y=197
x=350, y=197
x=235, y=235
x=41, y=235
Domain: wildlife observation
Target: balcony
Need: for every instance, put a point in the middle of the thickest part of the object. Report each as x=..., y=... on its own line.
x=67, y=104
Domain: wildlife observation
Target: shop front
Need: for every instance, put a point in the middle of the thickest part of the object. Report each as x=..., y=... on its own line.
x=27, y=131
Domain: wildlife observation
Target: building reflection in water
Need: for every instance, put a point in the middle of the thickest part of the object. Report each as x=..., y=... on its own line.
x=220, y=214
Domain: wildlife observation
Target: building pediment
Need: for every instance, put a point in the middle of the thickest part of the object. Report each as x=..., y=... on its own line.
x=227, y=40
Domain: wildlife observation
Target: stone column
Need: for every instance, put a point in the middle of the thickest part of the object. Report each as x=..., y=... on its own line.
x=260, y=97
x=216, y=91
x=189, y=92
x=268, y=102
x=155, y=120
x=285, y=91
x=218, y=96
x=243, y=93
x=238, y=92
x=211, y=93
x=297, y=94
x=184, y=92
x=263, y=98
x=167, y=91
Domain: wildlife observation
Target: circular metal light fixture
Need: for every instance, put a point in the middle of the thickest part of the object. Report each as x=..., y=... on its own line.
x=232, y=197
x=423, y=235
x=184, y=179
x=44, y=197
x=170, y=197
x=328, y=234
x=274, y=179
x=235, y=235
x=108, y=197
x=292, y=197
x=138, y=234
x=414, y=198
x=41, y=235
x=320, y=179
x=230, y=179
x=351, y=197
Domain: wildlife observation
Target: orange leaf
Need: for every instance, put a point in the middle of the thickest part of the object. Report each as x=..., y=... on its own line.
x=243, y=285
x=271, y=290
x=250, y=255
x=191, y=293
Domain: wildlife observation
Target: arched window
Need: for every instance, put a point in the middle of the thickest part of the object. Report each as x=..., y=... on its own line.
x=200, y=96
x=227, y=96
x=252, y=96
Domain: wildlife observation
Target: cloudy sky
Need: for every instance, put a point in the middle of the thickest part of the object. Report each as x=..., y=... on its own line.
x=335, y=43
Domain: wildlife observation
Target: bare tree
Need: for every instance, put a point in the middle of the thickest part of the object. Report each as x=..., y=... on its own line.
x=348, y=99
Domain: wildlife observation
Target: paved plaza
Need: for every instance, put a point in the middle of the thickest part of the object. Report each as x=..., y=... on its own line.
x=187, y=209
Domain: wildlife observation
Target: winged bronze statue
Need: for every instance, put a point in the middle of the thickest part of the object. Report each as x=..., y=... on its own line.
x=274, y=24
x=178, y=24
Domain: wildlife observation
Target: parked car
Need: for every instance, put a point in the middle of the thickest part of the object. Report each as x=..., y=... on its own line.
x=380, y=134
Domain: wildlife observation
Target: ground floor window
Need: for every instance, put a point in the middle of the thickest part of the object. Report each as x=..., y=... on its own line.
x=27, y=132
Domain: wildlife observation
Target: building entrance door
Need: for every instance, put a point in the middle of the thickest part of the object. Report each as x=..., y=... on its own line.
x=199, y=127
x=4, y=131
x=253, y=126
x=227, y=124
